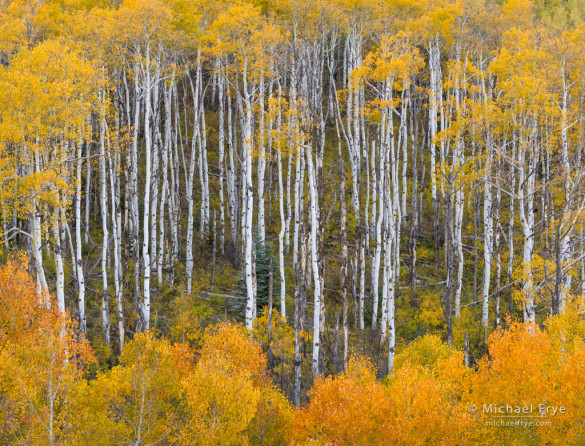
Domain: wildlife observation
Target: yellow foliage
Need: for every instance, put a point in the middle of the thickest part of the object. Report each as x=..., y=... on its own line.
x=283, y=335
x=228, y=394
x=567, y=329
x=426, y=351
x=430, y=313
x=138, y=400
x=46, y=94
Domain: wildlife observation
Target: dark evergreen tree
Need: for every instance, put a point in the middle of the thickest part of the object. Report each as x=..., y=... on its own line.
x=264, y=255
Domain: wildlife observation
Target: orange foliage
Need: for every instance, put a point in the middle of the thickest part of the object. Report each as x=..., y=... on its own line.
x=351, y=408
x=523, y=370
x=20, y=302
x=41, y=362
x=426, y=410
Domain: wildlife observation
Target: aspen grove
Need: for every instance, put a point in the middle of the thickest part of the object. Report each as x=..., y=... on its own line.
x=335, y=222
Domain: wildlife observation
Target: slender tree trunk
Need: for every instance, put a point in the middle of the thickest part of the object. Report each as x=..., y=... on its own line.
x=116, y=221
x=190, y=180
x=314, y=215
x=78, y=247
x=60, y=273
x=344, y=258
x=248, y=208
x=434, y=97
x=281, y=238
x=221, y=149
x=133, y=189
x=145, y=306
x=488, y=229
x=105, y=233
x=261, y=166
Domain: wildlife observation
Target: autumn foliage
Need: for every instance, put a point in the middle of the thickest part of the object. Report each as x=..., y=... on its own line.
x=42, y=361
x=266, y=222
x=222, y=392
x=434, y=399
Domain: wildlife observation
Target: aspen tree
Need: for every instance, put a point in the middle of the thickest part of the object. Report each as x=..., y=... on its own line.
x=247, y=39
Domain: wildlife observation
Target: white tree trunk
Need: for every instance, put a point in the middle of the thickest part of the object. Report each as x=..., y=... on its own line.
x=203, y=167
x=133, y=189
x=37, y=252
x=362, y=291
x=221, y=149
x=166, y=146
x=155, y=175
x=261, y=166
x=78, y=247
x=248, y=214
x=297, y=206
x=60, y=273
x=247, y=234
x=488, y=229
x=190, y=181
x=314, y=216
x=526, y=206
x=404, y=140
x=566, y=228
x=104, y=217
x=282, y=229
x=145, y=310
x=116, y=229
x=379, y=243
